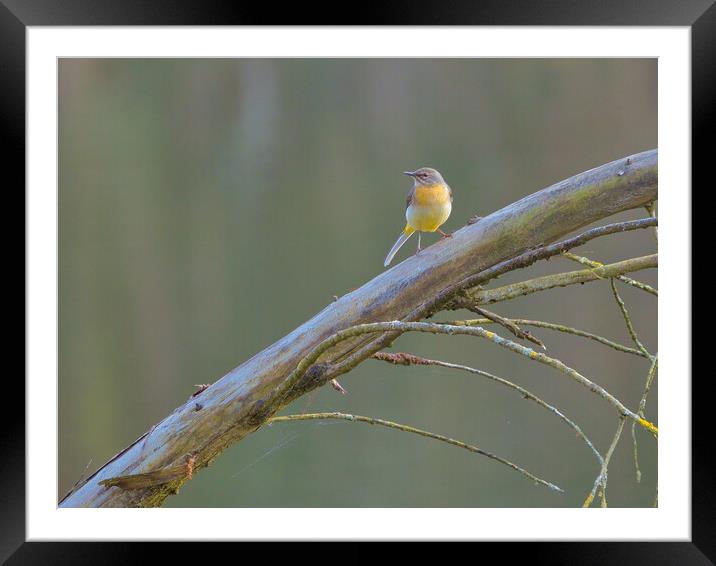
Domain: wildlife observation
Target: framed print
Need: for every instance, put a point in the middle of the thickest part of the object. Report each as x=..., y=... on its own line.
x=247, y=242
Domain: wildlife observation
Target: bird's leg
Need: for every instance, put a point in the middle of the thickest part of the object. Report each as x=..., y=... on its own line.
x=419, y=248
x=444, y=235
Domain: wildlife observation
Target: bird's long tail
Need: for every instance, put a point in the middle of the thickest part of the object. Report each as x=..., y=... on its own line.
x=407, y=232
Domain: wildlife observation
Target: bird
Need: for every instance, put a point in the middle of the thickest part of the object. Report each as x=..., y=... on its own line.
x=428, y=206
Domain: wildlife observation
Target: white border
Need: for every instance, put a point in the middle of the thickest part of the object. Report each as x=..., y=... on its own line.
x=671, y=521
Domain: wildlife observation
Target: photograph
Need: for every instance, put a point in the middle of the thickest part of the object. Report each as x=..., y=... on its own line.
x=258, y=257
x=397, y=281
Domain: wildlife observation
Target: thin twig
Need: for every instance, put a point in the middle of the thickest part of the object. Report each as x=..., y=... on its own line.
x=627, y=320
x=651, y=209
x=406, y=428
x=650, y=376
x=508, y=324
x=84, y=473
x=553, y=326
x=649, y=381
x=635, y=446
x=628, y=280
x=602, y=477
x=401, y=358
x=640, y=412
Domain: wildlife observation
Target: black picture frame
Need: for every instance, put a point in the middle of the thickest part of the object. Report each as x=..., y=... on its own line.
x=17, y=15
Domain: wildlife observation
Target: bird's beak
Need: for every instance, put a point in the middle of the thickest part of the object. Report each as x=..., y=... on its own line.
x=409, y=173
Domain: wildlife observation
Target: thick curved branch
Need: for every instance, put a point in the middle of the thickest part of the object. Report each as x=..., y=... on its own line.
x=239, y=403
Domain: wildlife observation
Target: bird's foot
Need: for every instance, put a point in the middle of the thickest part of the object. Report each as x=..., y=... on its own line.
x=443, y=235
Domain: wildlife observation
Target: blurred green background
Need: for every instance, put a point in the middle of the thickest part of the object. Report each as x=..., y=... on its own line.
x=208, y=207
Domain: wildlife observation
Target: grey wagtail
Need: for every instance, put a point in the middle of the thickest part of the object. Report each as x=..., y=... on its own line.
x=428, y=207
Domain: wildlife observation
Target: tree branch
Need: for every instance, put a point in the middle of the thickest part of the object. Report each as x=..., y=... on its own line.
x=242, y=400
x=628, y=280
x=401, y=327
x=488, y=296
x=420, y=432
x=641, y=412
x=553, y=326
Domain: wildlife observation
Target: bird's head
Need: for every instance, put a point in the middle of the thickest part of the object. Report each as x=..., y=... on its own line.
x=426, y=176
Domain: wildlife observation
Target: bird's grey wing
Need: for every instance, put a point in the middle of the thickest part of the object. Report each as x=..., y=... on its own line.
x=411, y=195
x=449, y=191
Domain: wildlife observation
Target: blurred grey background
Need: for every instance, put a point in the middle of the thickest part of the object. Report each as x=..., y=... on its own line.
x=208, y=207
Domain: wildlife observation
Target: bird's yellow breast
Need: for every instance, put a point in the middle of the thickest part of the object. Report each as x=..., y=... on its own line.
x=429, y=207
x=431, y=194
